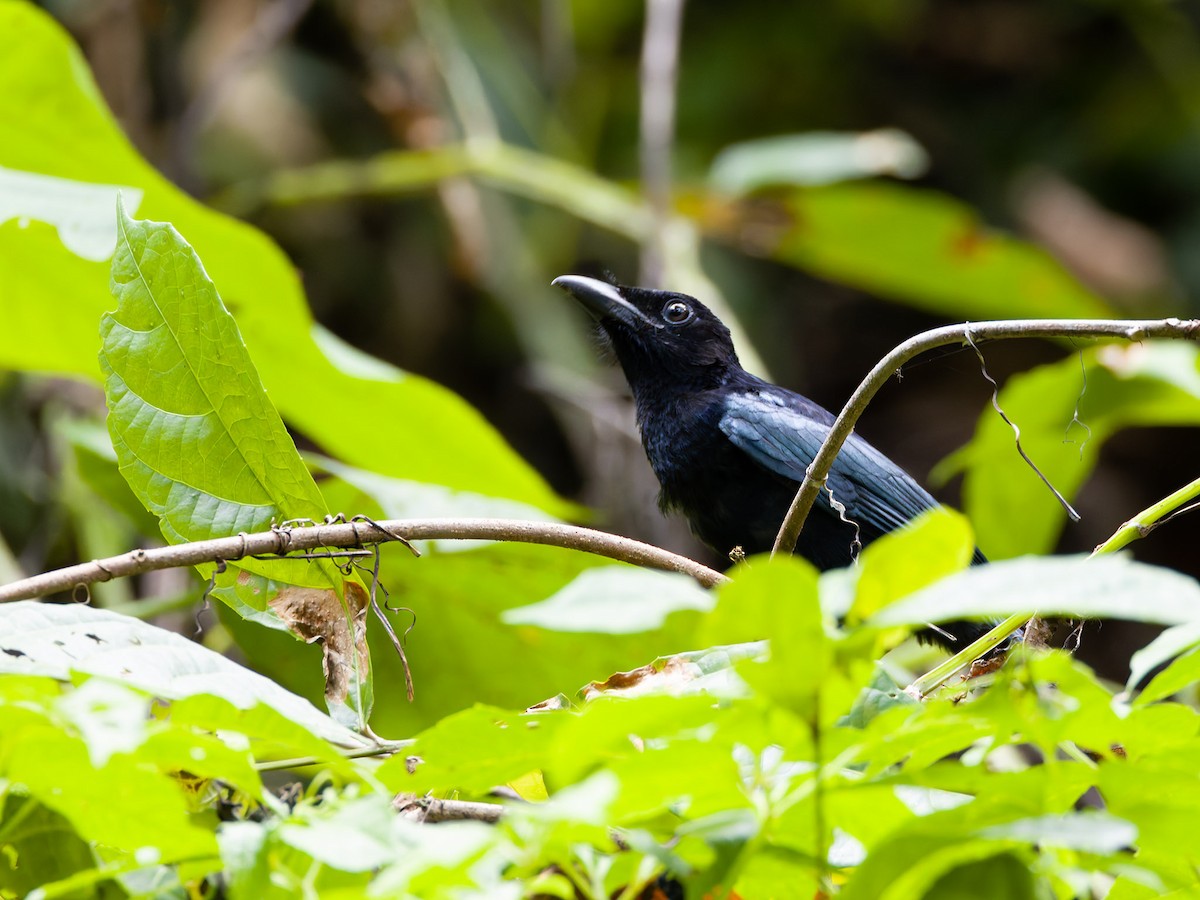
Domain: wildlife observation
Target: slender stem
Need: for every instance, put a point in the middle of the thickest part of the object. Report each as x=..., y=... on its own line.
x=284, y=540
x=1137, y=527
x=659, y=71
x=1149, y=518
x=386, y=749
x=519, y=171
x=964, y=657
x=818, y=471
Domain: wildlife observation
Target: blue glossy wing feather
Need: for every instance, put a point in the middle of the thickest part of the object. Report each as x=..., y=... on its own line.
x=782, y=432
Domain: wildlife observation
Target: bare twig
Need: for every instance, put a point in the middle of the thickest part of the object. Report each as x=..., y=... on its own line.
x=659, y=70
x=431, y=809
x=353, y=534
x=818, y=471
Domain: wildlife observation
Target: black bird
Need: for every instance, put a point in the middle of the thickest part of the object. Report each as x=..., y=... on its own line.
x=730, y=449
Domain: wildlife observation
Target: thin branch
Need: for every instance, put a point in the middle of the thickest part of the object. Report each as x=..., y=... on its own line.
x=1150, y=518
x=525, y=173
x=385, y=748
x=431, y=809
x=818, y=471
x=659, y=71
x=282, y=540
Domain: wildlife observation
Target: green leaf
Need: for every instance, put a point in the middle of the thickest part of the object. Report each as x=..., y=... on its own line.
x=62, y=161
x=1101, y=587
x=777, y=872
x=613, y=728
x=39, y=845
x=881, y=695
x=195, y=434
x=147, y=816
x=1091, y=832
x=353, y=836
x=1001, y=876
x=451, y=758
x=777, y=599
x=925, y=249
x=940, y=865
x=1180, y=674
x=1155, y=383
x=751, y=611
x=244, y=859
x=206, y=452
x=816, y=157
x=614, y=600
x=64, y=641
x=933, y=546
x=1171, y=643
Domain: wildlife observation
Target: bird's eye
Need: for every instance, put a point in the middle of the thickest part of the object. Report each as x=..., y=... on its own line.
x=676, y=312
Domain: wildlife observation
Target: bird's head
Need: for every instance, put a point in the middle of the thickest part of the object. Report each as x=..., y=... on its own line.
x=661, y=338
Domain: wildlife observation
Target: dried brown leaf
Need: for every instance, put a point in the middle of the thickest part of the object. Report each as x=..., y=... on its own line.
x=317, y=614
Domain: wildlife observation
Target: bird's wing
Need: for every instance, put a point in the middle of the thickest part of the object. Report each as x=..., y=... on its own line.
x=777, y=434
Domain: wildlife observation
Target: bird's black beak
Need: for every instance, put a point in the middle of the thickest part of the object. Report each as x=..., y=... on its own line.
x=603, y=300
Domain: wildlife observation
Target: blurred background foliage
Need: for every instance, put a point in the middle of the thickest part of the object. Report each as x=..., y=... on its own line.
x=430, y=166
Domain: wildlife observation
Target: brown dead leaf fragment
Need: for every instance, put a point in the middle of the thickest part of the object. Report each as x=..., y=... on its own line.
x=316, y=614
x=661, y=675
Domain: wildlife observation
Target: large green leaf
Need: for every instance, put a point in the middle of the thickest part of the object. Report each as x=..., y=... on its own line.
x=62, y=160
x=614, y=600
x=206, y=452
x=69, y=641
x=57, y=749
x=923, y=248
x=1102, y=587
x=195, y=435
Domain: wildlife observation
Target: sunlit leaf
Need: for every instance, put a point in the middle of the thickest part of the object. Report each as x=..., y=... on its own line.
x=62, y=640
x=817, y=157
x=61, y=163
x=1179, y=641
x=449, y=752
x=917, y=246
x=935, y=545
x=206, y=452
x=614, y=600
x=1100, y=587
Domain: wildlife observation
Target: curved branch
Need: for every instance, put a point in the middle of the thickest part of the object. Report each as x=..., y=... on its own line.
x=818, y=471
x=284, y=540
